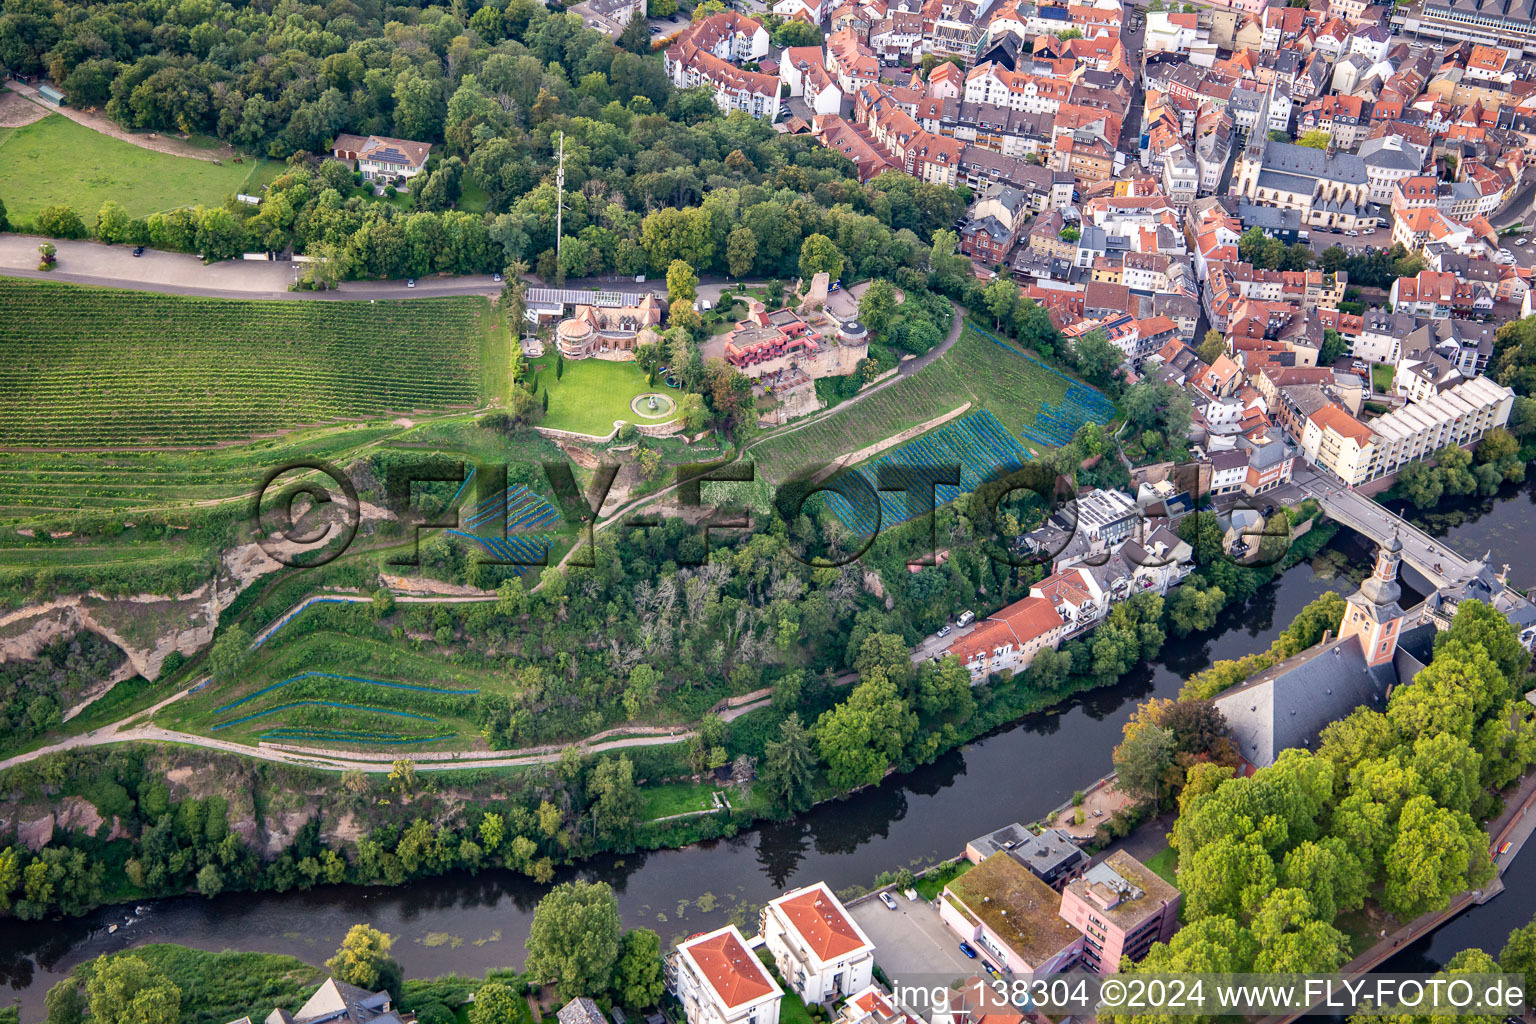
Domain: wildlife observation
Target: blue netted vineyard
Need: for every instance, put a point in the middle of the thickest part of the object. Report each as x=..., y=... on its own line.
x=1057, y=423
x=978, y=442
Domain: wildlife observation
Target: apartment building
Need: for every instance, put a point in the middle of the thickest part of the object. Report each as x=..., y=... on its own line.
x=821, y=952
x=1121, y=907
x=703, y=55
x=719, y=980
x=1358, y=453
x=733, y=87
x=1010, y=639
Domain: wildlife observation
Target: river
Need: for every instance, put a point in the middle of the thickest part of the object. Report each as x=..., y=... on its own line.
x=469, y=923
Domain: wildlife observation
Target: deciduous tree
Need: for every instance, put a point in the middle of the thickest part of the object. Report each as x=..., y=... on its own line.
x=573, y=942
x=860, y=739
x=123, y=989
x=639, y=981
x=363, y=960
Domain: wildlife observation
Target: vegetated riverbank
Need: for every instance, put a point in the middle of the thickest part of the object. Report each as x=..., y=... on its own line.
x=111, y=825
x=911, y=819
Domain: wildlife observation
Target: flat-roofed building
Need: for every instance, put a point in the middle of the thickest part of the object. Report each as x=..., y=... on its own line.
x=1121, y=907
x=1358, y=453
x=1010, y=917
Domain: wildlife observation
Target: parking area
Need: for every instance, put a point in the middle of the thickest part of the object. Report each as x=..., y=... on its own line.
x=913, y=945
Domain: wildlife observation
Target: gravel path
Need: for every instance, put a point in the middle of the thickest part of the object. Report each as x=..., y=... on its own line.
x=168, y=144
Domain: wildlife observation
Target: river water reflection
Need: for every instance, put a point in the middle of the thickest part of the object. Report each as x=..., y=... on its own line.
x=469, y=923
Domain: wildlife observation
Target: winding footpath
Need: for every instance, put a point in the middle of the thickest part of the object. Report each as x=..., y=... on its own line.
x=125, y=731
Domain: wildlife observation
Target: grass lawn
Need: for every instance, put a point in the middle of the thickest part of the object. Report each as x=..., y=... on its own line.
x=473, y=198
x=675, y=798
x=1164, y=863
x=402, y=201
x=792, y=1009
x=593, y=393
x=1381, y=378
x=975, y=371
x=930, y=885
x=56, y=161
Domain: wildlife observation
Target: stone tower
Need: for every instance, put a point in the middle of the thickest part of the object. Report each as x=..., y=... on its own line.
x=1373, y=614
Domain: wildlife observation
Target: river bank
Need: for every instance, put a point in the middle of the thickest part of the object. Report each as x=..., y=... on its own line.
x=468, y=923
x=471, y=922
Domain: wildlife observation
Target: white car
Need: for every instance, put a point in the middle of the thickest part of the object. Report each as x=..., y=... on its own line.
x=887, y=899
x=943, y=632
x=1521, y=240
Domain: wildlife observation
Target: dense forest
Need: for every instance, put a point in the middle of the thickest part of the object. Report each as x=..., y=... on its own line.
x=1288, y=869
x=652, y=174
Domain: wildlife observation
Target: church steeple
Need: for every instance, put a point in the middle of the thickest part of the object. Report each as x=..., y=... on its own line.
x=1373, y=614
x=1251, y=162
x=1382, y=586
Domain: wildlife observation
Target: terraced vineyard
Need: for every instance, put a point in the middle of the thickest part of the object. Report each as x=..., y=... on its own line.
x=977, y=442
x=98, y=368
x=334, y=684
x=1035, y=403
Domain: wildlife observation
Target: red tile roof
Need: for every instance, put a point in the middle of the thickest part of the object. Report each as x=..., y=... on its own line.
x=822, y=923
x=732, y=971
x=1342, y=423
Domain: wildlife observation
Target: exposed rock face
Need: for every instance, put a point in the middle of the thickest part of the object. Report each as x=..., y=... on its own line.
x=35, y=834
x=147, y=627
x=281, y=829
x=78, y=814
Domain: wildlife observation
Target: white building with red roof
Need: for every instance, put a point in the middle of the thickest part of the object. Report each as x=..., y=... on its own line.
x=1010, y=639
x=872, y=1006
x=1076, y=596
x=719, y=980
x=821, y=953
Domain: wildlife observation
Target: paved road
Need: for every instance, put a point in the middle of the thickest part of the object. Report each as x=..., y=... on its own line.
x=1381, y=238
x=913, y=944
x=1361, y=513
x=182, y=274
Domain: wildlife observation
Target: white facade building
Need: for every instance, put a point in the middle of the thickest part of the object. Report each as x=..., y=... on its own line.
x=719, y=980
x=821, y=953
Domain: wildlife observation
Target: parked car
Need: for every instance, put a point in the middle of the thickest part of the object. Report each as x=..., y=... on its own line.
x=966, y=618
x=888, y=900
x=410, y=282
x=965, y=947
x=138, y=250
x=943, y=632
x=496, y=278
x=1521, y=240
